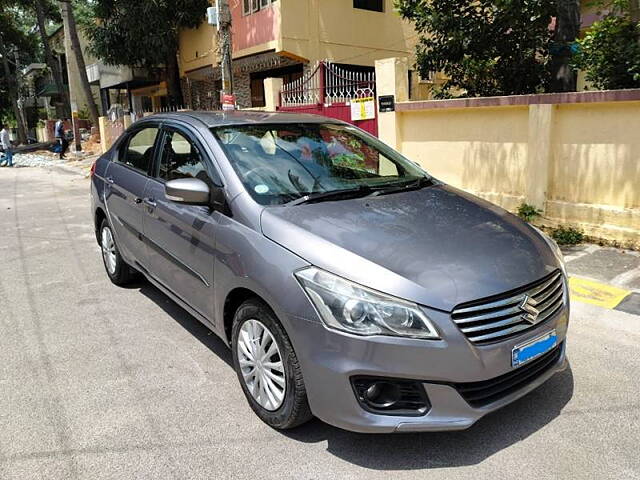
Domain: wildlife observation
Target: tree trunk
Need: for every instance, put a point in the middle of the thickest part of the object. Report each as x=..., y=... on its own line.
x=72, y=33
x=49, y=58
x=634, y=10
x=174, y=89
x=563, y=77
x=13, y=94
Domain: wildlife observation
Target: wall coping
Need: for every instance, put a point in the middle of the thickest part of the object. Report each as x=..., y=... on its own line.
x=599, y=96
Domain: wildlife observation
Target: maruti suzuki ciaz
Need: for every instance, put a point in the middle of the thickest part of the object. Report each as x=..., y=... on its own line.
x=349, y=283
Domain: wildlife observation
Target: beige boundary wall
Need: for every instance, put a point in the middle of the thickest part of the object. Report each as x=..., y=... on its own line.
x=576, y=156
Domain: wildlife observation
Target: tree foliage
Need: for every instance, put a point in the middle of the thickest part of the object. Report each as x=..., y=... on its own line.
x=16, y=42
x=609, y=52
x=484, y=47
x=142, y=33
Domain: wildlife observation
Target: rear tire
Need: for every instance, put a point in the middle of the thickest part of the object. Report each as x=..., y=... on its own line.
x=268, y=368
x=119, y=272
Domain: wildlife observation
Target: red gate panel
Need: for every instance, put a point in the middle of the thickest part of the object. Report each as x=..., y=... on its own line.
x=328, y=90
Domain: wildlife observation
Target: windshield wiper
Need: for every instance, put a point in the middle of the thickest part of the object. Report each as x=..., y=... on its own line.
x=405, y=187
x=361, y=191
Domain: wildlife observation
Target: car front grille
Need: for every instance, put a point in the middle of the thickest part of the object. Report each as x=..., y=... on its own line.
x=480, y=394
x=500, y=317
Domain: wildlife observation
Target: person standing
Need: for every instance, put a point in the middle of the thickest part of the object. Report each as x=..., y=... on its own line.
x=5, y=142
x=62, y=138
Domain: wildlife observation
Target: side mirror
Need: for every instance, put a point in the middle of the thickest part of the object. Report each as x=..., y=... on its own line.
x=192, y=191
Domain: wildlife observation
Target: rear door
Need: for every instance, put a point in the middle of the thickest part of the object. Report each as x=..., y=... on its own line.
x=181, y=238
x=126, y=180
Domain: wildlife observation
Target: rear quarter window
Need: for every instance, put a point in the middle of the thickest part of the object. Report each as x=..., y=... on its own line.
x=137, y=151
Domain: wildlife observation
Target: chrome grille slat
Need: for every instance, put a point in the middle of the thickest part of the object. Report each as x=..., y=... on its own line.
x=535, y=291
x=487, y=306
x=550, y=313
x=492, y=315
x=498, y=319
x=549, y=302
x=500, y=333
x=547, y=294
x=501, y=323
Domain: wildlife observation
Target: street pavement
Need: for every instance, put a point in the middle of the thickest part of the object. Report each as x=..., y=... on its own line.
x=100, y=382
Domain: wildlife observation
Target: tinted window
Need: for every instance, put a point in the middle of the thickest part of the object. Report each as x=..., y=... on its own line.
x=278, y=163
x=375, y=5
x=139, y=150
x=181, y=159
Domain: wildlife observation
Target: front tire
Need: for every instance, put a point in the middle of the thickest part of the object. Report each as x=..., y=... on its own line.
x=117, y=269
x=268, y=368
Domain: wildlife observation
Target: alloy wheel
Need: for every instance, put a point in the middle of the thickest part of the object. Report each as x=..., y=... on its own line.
x=108, y=246
x=261, y=365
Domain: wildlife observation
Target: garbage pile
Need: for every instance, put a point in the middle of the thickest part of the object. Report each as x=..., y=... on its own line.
x=40, y=158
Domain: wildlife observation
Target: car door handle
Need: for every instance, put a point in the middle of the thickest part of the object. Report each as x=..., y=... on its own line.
x=109, y=180
x=150, y=202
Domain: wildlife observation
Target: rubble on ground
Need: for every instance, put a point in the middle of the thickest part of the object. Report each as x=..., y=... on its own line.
x=40, y=158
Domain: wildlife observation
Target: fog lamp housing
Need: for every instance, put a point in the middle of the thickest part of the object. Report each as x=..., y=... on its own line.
x=389, y=396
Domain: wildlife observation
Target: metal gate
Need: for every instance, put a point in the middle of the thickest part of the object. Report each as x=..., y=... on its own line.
x=334, y=92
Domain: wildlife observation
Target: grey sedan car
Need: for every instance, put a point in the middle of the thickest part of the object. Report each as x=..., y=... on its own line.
x=349, y=283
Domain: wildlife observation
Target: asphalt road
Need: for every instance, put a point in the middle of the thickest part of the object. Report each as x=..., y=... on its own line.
x=103, y=382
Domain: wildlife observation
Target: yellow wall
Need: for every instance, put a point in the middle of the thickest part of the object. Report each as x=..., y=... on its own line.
x=578, y=159
x=596, y=154
x=589, y=158
x=197, y=48
x=333, y=29
x=482, y=150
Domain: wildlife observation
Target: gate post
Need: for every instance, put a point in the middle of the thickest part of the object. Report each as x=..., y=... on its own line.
x=104, y=139
x=272, y=88
x=323, y=79
x=392, y=78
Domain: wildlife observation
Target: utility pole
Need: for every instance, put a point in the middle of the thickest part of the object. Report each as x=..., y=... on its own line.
x=224, y=41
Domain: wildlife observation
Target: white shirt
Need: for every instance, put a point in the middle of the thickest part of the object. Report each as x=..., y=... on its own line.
x=5, y=140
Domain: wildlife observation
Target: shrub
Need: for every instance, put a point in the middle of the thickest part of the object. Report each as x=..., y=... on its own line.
x=609, y=53
x=567, y=235
x=528, y=212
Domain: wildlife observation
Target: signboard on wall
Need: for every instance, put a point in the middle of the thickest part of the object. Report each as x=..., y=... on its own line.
x=386, y=103
x=228, y=101
x=363, y=109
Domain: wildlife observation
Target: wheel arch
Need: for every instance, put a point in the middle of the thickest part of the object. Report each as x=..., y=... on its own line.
x=98, y=217
x=232, y=302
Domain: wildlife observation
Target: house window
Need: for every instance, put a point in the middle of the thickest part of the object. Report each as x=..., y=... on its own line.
x=251, y=6
x=373, y=5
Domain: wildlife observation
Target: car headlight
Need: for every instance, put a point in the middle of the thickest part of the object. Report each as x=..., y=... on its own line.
x=352, y=308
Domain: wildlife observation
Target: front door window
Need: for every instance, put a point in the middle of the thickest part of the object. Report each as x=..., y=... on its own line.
x=181, y=159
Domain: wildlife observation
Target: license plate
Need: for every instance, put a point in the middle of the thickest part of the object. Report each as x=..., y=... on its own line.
x=526, y=352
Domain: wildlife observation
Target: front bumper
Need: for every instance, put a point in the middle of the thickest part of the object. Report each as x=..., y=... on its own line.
x=329, y=359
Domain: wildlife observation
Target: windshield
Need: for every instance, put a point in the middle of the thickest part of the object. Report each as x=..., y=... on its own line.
x=281, y=163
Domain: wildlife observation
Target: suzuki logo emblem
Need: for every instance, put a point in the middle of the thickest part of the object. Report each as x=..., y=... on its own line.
x=528, y=306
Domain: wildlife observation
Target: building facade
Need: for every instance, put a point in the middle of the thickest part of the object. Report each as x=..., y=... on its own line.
x=284, y=38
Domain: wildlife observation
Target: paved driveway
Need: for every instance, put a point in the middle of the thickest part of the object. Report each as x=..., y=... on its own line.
x=103, y=382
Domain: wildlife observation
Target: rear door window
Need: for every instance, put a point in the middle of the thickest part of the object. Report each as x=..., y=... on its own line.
x=139, y=149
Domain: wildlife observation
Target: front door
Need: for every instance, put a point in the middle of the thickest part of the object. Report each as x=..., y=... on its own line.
x=126, y=179
x=181, y=238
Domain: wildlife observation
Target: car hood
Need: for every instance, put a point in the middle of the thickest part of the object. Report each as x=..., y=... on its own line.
x=437, y=246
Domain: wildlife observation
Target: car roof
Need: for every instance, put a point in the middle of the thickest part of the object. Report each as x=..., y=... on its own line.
x=241, y=117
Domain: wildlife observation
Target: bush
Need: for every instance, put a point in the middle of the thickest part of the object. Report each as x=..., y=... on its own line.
x=528, y=212
x=609, y=53
x=567, y=235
